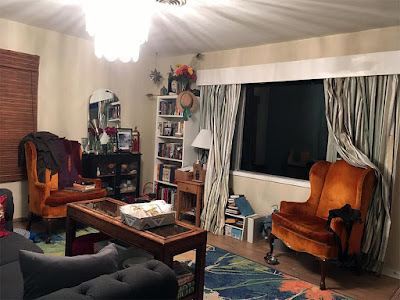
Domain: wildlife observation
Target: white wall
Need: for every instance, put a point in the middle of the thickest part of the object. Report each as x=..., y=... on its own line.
x=68, y=73
x=262, y=194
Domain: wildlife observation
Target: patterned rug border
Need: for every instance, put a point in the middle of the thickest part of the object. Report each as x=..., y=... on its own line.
x=294, y=277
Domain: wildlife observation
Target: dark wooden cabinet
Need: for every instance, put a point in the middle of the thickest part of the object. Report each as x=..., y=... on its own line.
x=119, y=172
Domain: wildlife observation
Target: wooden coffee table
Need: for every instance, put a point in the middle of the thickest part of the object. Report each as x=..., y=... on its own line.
x=163, y=242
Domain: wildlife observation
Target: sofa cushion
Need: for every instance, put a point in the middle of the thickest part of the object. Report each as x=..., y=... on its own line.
x=3, y=231
x=10, y=244
x=62, y=197
x=44, y=274
x=150, y=280
x=309, y=226
x=11, y=281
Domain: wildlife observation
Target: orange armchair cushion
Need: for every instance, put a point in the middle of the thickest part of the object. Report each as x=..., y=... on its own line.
x=307, y=226
x=61, y=197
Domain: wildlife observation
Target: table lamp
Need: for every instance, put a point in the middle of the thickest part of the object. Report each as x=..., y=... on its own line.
x=203, y=141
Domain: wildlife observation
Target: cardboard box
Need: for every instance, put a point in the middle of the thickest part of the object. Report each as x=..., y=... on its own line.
x=183, y=176
x=146, y=222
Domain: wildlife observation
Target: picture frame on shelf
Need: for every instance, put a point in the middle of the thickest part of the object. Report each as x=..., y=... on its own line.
x=124, y=138
x=172, y=85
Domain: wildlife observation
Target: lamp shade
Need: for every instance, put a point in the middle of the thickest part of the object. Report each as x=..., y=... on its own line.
x=203, y=139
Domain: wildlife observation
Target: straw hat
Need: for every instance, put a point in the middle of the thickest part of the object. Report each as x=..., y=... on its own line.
x=186, y=103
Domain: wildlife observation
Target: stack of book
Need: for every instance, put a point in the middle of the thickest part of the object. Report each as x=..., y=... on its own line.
x=84, y=185
x=186, y=279
x=232, y=208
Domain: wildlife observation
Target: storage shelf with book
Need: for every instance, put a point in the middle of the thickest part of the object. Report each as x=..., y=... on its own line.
x=173, y=149
x=236, y=224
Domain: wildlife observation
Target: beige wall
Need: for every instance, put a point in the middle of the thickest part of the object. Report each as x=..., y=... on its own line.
x=263, y=194
x=68, y=73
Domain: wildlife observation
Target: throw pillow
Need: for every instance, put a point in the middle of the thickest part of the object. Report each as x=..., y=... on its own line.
x=3, y=232
x=44, y=274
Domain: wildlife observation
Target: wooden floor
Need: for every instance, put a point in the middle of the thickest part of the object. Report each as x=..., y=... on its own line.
x=306, y=267
x=300, y=265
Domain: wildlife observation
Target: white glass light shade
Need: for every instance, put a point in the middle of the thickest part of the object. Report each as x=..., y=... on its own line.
x=203, y=139
x=119, y=27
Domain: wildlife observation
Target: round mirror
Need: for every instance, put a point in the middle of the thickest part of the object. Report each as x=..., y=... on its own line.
x=104, y=111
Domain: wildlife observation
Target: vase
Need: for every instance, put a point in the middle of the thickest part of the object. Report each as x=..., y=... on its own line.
x=97, y=146
x=183, y=86
x=110, y=147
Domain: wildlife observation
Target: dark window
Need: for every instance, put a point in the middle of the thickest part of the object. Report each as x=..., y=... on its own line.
x=285, y=130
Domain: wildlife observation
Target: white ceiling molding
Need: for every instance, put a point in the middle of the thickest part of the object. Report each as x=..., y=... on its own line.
x=380, y=63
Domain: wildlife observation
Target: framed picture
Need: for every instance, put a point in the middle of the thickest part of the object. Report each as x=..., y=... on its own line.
x=124, y=137
x=172, y=84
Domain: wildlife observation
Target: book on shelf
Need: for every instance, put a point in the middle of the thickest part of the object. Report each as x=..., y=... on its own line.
x=168, y=194
x=170, y=150
x=232, y=211
x=166, y=172
x=169, y=108
x=243, y=205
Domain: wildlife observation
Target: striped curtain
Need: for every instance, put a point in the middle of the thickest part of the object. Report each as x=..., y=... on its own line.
x=363, y=117
x=219, y=106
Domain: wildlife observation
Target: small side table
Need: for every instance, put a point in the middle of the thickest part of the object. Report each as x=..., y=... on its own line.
x=191, y=187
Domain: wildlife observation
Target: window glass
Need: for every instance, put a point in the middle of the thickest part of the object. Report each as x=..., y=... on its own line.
x=285, y=129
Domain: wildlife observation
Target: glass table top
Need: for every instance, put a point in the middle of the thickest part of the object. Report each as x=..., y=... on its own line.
x=168, y=230
x=105, y=207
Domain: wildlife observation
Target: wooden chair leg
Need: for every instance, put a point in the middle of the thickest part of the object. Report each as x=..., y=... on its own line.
x=271, y=239
x=324, y=263
x=28, y=225
x=48, y=226
x=269, y=258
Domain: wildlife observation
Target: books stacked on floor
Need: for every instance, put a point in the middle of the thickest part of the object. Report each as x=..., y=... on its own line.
x=186, y=279
x=166, y=172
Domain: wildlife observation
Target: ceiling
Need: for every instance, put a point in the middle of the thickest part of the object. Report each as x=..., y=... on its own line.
x=210, y=25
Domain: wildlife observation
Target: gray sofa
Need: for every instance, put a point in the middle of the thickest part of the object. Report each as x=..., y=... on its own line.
x=150, y=280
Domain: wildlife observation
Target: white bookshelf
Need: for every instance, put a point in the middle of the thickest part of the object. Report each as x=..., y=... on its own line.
x=190, y=130
x=232, y=228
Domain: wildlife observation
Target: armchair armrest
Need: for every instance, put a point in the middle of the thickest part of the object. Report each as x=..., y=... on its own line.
x=96, y=181
x=300, y=208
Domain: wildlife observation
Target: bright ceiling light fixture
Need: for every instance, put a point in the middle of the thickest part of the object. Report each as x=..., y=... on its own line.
x=120, y=27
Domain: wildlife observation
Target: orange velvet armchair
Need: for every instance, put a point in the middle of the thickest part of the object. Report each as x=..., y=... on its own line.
x=303, y=226
x=46, y=199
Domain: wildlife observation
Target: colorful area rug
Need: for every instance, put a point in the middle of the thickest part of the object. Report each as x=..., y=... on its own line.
x=228, y=276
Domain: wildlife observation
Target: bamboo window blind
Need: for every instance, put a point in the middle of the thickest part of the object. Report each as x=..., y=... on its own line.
x=19, y=74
